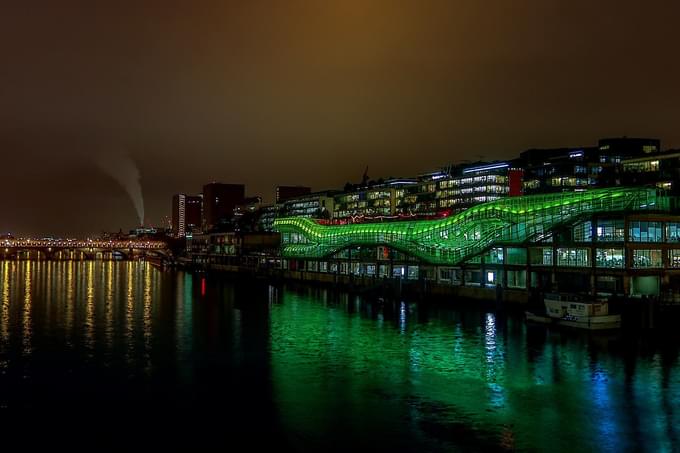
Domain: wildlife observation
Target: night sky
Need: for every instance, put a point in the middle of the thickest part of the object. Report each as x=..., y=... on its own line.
x=309, y=92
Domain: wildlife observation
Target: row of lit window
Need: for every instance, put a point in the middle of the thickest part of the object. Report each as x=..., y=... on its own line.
x=497, y=179
x=469, y=190
x=303, y=204
x=378, y=194
x=568, y=181
x=645, y=166
x=604, y=258
x=446, y=202
x=638, y=231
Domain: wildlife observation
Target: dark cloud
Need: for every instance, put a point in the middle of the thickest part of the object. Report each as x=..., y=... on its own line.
x=307, y=92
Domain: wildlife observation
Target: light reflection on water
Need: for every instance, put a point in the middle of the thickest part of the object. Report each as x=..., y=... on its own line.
x=26, y=322
x=332, y=370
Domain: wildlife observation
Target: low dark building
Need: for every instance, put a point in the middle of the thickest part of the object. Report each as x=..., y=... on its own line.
x=219, y=201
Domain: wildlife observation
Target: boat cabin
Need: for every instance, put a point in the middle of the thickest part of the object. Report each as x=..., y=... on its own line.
x=573, y=305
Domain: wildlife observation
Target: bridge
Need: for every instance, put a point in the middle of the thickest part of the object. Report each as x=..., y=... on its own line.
x=81, y=248
x=455, y=239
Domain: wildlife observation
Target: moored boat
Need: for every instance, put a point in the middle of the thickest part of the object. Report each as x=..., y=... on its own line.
x=572, y=310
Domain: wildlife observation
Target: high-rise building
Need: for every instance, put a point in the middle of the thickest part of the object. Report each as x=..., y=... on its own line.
x=219, y=201
x=284, y=193
x=186, y=214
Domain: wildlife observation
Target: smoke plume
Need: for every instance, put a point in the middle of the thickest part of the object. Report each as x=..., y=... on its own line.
x=125, y=172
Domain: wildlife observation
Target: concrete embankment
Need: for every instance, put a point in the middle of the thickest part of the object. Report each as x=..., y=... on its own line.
x=374, y=285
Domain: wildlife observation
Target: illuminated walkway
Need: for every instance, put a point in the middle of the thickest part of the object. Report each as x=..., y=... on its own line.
x=455, y=239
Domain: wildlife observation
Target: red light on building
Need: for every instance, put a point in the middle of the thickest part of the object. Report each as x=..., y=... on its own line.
x=515, y=178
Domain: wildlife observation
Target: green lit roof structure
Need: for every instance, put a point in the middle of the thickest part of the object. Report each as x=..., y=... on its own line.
x=455, y=239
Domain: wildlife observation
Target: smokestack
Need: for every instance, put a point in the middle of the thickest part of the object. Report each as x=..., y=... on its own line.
x=125, y=172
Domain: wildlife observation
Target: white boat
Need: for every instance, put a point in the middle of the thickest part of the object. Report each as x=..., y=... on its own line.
x=574, y=311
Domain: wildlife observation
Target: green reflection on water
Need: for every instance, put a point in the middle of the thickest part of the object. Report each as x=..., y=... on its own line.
x=340, y=369
x=333, y=363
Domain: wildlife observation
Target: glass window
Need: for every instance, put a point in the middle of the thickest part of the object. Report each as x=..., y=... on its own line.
x=517, y=279
x=673, y=232
x=413, y=272
x=573, y=257
x=610, y=230
x=674, y=258
x=647, y=258
x=612, y=258
x=643, y=231
x=493, y=278
x=516, y=255
x=541, y=256
x=472, y=278
x=608, y=283
x=583, y=232
x=495, y=256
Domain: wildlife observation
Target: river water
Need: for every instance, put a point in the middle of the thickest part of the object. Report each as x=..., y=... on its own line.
x=121, y=353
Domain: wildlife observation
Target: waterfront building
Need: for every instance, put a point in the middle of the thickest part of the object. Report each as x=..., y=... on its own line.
x=617, y=241
x=579, y=168
x=233, y=248
x=186, y=214
x=419, y=199
x=246, y=215
x=377, y=201
x=266, y=216
x=249, y=205
x=318, y=205
x=468, y=185
x=661, y=170
x=219, y=201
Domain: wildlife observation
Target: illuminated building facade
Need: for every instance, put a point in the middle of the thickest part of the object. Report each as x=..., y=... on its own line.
x=474, y=184
x=566, y=169
x=661, y=170
x=318, y=205
x=385, y=200
x=612, y=241
x=267, y=215
x=186, y=214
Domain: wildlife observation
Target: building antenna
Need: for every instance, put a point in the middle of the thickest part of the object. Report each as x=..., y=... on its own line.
x=364, y=178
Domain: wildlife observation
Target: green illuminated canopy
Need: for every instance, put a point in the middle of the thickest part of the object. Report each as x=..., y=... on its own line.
x=455, y=239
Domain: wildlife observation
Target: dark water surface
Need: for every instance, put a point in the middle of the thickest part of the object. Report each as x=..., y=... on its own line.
x=104, y=353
